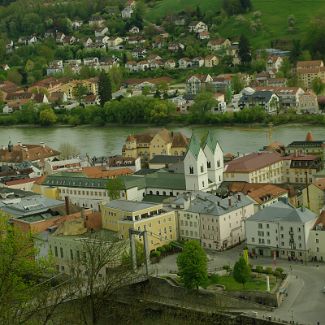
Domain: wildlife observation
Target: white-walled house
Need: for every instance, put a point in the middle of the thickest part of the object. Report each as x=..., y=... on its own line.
x=281, y=230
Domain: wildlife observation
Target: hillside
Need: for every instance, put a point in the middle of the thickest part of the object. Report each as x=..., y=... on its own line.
x=274, y=17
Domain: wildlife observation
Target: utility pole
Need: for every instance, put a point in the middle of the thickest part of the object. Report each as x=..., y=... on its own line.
x=307, y=189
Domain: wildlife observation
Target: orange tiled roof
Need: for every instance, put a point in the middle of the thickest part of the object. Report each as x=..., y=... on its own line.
x=99, y=172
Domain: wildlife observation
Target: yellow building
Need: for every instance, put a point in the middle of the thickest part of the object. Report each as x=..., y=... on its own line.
x=148, y=145
x=48, y=191
x=121, y=215
x=69, y=87
x=316, y=193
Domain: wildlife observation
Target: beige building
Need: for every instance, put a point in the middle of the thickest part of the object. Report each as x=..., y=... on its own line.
x=148, y=145
x=260, y=167
x=120, y=216
x=314, y=196
x=307, y=71
x=316, y=240
x=308, y=103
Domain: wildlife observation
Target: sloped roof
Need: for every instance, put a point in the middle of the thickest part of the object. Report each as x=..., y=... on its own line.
x=211, y=141
x=281, y=211
x=253, y=161
x=194, y=146
x=179, y=140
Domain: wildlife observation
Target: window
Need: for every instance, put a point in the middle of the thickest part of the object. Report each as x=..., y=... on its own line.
x=202, y=169
x=317, y=240
x=267, y=226
x=208, y=164
x=260, y=225
x=191, y=170
x=55, y=251
x=253, y=240
x=71, y=254
x=61, y=252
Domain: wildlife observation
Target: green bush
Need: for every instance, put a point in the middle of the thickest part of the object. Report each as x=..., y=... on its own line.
x=279, y=269
x=155, y=254
x=268, y=270
x=214, y=278
x=259, y=269
x=161, y=249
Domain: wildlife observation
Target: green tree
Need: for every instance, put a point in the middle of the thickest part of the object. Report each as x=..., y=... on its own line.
x=80, y=91
x=192, y=265
x=114, y=188
x=47, y=117
x=242, y=271
x=296, y=51
x=237, y=84
x=203, y=105
x=244, y=50
x=318, y=86
x=104, y=88
x=15, y=77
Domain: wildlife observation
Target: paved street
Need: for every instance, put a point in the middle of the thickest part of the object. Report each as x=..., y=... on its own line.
x=305, y=303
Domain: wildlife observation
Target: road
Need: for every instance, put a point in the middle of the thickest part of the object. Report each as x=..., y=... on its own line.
x=305, y=303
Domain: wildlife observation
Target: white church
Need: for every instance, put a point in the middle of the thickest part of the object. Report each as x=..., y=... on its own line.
x=203, y=166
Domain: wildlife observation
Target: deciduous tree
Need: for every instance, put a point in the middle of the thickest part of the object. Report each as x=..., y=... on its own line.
x=114, y=188
x=241, y=272
x=192, y=265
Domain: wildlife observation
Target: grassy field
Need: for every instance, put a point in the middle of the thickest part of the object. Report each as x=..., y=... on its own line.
x=254, y=284
x=274, y=17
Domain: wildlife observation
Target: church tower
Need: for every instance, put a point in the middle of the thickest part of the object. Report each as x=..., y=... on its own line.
x=214, y=156
x=195, y=167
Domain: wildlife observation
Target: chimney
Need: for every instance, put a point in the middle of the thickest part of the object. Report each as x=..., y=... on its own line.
x=229, y=202
x=239, y=197
x=67, y=207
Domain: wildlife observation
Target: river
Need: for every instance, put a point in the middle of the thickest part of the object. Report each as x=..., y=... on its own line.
x=109, y=140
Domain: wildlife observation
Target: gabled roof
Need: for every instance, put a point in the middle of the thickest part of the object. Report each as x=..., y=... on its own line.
x=194, y=146
x=211, y=141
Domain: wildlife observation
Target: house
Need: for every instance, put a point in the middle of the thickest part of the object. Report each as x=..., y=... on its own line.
x=69, y=40
x=260, y=167
x=134, y=30
x=307, y=71
x=280, y=230
x=54, y=67
x=289, y=97
x=307, y=147
x=308, y=103
x=13, y=154
x=267, y=100
x=114, y=41
x=198, y=62
x=88, y=42
x=127, y=12
x=67, y=244
x=59, y=37
x=274, y=63
x=76, y=24
x=100, y=32
x=176, y=47
x=96, y=21
x=122, y=215
x=148, y=145
x=56, y=166
x=197, y=83
x=203, y=35
x=185, y=63
x=139, y=53
x=218, y=223
x=316, y=240
x=314, y=196
x=262, y=195
x=170, y=64
x=219, y=44
x=211, y=61
x=197, y=27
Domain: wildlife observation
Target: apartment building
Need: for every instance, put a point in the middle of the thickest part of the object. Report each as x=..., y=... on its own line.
x=316, y=240
x=120, y=216
x=281, y=230
x=259, y=167
x=307, y=71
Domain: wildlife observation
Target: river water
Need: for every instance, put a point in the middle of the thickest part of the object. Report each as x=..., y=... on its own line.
x=109, y=140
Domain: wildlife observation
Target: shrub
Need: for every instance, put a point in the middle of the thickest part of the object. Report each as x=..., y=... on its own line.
x=259, y=269
x=155, y=254
x=161, y=249
x=214, y=278
x=269, y=270
x=279, y=269
x=227, y=268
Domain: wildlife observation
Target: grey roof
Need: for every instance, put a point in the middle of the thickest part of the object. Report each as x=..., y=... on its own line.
x=30, y=205
x=130, y=206
x=205, y=203
x=281, y=211
x=257, y=96
x=166, y=159
x=10, y=193
x=73, y=181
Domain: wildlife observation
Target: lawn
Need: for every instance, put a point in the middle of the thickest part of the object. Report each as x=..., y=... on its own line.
x=274, y=17
x=254, y=284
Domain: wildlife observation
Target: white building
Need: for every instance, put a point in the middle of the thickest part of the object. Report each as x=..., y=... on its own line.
x=316, y=240
x=218, y=223
x=281, y=230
